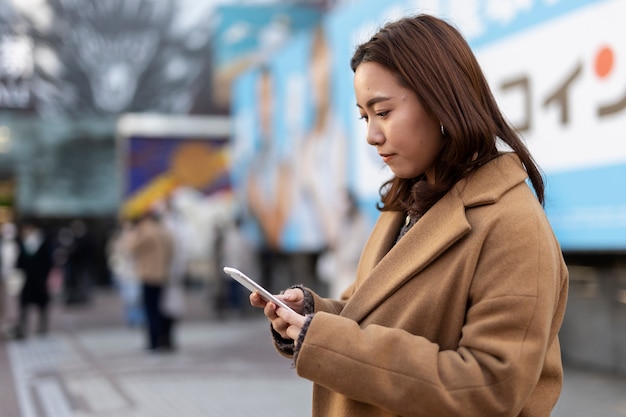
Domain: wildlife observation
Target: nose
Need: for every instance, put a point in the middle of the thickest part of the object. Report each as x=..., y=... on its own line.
x=374, y=135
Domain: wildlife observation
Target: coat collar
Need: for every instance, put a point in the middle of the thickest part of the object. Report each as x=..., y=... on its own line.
x=384, y=266
x=489, y=183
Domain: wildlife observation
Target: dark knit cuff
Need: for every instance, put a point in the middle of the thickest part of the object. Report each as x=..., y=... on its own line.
x=287, y=346
x=308, y=306
x=301, y=336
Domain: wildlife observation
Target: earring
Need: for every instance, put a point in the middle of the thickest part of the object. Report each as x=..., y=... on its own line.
x=443, y=131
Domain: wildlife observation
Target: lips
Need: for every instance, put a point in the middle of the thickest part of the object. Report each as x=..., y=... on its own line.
x=386, y=157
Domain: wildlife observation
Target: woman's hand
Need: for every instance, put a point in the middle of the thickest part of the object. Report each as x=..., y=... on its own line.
x=286, y=323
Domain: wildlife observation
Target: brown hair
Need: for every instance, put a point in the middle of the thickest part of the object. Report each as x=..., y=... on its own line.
x=431, y=58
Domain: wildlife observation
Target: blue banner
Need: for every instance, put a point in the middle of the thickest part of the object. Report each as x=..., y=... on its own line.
x=589, y=217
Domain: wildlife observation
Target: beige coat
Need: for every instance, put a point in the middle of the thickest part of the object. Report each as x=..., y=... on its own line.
x=459, y=318
x=151, y=249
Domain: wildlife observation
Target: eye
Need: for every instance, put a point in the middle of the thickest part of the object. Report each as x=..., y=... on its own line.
x=363, y=117
x=382, y=114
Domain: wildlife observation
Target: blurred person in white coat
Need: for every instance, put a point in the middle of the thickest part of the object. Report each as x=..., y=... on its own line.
x=173, y=301
x=236, y=252
x=10, y=280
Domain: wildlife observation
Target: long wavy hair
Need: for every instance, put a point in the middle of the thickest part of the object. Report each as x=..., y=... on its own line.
x=430, y=57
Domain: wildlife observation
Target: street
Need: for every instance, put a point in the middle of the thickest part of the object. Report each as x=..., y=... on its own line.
x=93, y=365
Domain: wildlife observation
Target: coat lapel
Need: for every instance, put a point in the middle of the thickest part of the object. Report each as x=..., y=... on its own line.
x=384, y=267
x=383, y=270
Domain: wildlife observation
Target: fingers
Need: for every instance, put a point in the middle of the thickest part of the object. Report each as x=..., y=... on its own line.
x=270, y=311
x=257, y=301
x=290, y=317
x=286, y=323
x=279, y=324
x=293, y=322
x=294, y=333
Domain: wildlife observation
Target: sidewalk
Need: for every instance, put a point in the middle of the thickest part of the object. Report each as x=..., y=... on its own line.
x=91, y=365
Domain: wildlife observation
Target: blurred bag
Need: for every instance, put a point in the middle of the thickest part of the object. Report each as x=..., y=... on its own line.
x=173, y=303
x=55, y=281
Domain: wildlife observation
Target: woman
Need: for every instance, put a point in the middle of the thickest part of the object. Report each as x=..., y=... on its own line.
x=461, y=287
x=151, y=247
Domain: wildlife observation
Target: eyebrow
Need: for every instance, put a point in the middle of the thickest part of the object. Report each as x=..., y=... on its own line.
x=373, y=101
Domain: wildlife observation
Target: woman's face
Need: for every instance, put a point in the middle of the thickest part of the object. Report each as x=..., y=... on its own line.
x=406, y=136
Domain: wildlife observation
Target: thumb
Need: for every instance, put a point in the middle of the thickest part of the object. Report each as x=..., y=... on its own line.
x=290, y=295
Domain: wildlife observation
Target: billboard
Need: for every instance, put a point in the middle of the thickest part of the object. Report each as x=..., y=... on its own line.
x=289, y=155
x=159, y=155
x=556, y=68
x=565, y=90
x=245, y=35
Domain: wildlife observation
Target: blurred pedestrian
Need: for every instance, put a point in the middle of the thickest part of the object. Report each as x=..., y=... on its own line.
x=150, y=245
x=35, y=260
x=173, y=302
x=461, y=288
x=79, y=267
x=3, y=292
x=338, y=265
x=9, y=277
x=125, y=278
x=235, y=251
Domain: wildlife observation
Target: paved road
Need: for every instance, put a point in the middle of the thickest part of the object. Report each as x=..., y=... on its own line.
x=93, y=366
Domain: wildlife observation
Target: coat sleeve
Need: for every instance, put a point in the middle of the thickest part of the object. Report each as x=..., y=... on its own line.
x=327, y=304
x=516, y=297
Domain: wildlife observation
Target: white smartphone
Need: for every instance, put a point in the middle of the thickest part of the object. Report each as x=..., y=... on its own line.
x=253, y=286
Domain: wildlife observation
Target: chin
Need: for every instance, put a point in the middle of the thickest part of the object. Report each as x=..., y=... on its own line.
x=405, y=176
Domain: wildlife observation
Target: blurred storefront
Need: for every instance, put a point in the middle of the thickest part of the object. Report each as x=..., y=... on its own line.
x=70, y=70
